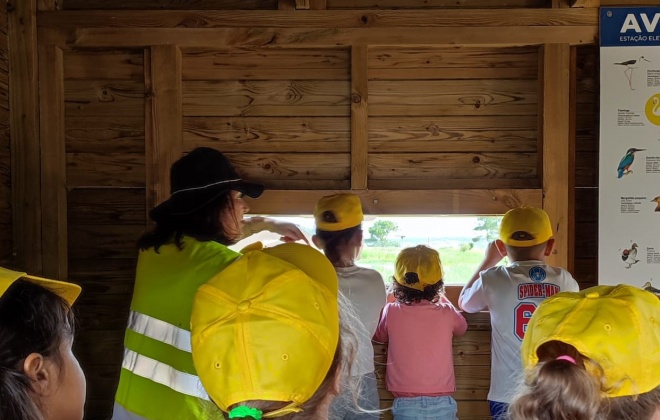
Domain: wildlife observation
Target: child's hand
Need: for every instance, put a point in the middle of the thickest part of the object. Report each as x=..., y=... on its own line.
x=493, y=255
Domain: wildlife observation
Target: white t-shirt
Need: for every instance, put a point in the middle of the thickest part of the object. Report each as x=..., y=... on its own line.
x=365, y=289
x=512, y=294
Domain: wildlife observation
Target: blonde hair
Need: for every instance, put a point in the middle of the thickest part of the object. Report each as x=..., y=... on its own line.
x=562, y=390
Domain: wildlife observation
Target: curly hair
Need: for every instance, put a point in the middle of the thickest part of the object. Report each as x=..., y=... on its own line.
x=407, y=295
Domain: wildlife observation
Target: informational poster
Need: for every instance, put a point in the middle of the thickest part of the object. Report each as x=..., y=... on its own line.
x=629, y=170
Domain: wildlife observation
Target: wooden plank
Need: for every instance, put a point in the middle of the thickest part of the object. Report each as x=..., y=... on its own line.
x=266, y=98
x=43, y=5
x=103, y=98
x=359, y=117
x=24, y=135
x=103, y=241
x=444, y=166
x=101, y=277
x=478, y=18
x=586, y=169
x=572, y=135
x=95, y=65
x=105, y=170
x=423, y=4
x=586, y=205
x=170, y=4
x=383, y=202
x=109, y=134
x=53, y=168
x=266, y=64
x=453, y=134
x=455, y=97
x=268, y=134
x=268, y=167
x=557, y=182
x=111, y=206
x=164, y=127
x=318, y=37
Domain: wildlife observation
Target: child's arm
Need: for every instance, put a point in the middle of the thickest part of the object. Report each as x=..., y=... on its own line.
x=381, y=335
x=471, y=298
x=289, y=231
x=460, y=324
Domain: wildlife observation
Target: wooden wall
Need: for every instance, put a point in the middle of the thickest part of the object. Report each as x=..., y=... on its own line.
x=417, y=111
x=6, y=230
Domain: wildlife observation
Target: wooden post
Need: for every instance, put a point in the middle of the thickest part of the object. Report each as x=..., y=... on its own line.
x=585, y=3
x=53, y=166
x=359, y=118
x=44, y=5
x=556, y=160
x=163, y=119
x=24, y=132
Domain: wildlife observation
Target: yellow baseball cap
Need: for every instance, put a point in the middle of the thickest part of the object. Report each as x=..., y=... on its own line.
x=618, y=327
x=525, y=227
x=67, y=291
x=346, y=208
x=421, y=260
x=267, y=327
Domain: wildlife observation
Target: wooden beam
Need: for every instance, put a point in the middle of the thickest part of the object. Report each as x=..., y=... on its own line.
x=163, y=119
x=587, y=3
x=24, y=132
x=359, y=117
x=572, y=130
x=381, y=202
x=319, y=37
x=207, y=19
x=555, y=109
x=48, y=5
x=53, y=166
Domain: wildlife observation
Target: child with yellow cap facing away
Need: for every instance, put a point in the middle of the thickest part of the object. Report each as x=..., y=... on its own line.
x=419, y=328
x=40, y=377
x=339, y=234
x=512, y=293
x=266, y=335
x=593, y=355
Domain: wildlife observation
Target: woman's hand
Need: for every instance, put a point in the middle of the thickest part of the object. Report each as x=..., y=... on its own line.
x=289, y=232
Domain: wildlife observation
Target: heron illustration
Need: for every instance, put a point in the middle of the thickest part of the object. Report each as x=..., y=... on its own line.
x=626, y=162
x=630, y=66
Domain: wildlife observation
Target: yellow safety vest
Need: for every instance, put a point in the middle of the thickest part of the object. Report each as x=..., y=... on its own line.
x=158, y=379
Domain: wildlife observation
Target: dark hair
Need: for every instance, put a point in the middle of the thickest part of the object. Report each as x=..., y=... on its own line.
x=32, y=320
x=560, y=389
x=203, y=224
x=333, y=241
x=407, y=295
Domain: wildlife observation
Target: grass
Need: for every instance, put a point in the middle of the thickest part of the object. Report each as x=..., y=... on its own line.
x=458, y=265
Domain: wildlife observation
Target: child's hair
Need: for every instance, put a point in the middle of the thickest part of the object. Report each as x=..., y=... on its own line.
x=519, y=253
x=33, y=319
x=406, y=295
x=558, y=389
x=333, y=241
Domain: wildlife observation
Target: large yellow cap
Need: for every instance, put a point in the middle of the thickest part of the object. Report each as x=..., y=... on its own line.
x=422, y=261
x=618, y=327
x=267, y=327
x=346, y=210
x=67, y=291
x=525, y=227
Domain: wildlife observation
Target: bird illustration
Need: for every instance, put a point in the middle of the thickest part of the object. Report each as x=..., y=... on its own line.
x=657, y=202
x=629, y=68
x=629, y=256
x=647, y=286
x=656, y=106
x=628, y=159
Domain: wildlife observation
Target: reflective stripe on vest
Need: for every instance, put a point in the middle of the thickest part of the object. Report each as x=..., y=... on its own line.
x=163, y=374
x=160, y=330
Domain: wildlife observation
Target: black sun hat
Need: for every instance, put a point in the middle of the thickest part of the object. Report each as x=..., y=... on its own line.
x=198, y=178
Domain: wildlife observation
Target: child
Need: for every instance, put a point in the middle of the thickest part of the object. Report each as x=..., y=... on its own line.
x=592, y=355
x=419, y=327
x=512, y=293
x=40, y=377
x=265, y=335
x=339, y=234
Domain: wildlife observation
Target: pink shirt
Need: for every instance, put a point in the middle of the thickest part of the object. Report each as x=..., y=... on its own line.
x=419, y=356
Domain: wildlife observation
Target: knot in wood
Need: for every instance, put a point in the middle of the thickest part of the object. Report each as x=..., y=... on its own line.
x=355, y=98
x=476, y=159
x=364, y=19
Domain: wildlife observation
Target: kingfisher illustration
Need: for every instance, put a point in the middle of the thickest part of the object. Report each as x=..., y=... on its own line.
x=630, y=67
x=628, y=159
x=629, y=256
x=649, y=288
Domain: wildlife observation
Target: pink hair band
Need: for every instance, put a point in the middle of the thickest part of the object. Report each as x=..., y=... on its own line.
x=567, y=358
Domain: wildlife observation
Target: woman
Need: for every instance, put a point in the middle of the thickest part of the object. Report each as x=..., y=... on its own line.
x=188, y=245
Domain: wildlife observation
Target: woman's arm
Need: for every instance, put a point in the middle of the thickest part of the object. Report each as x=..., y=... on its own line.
x=289, y=232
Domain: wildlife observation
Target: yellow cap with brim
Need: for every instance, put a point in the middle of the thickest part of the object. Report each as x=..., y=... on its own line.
x=267, y=327
x=421, y=260
x=67, y=291
x=618, y=327
x=525, y=227
x=346, y=209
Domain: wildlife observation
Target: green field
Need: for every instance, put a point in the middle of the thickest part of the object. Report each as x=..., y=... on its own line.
x=458, y=265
